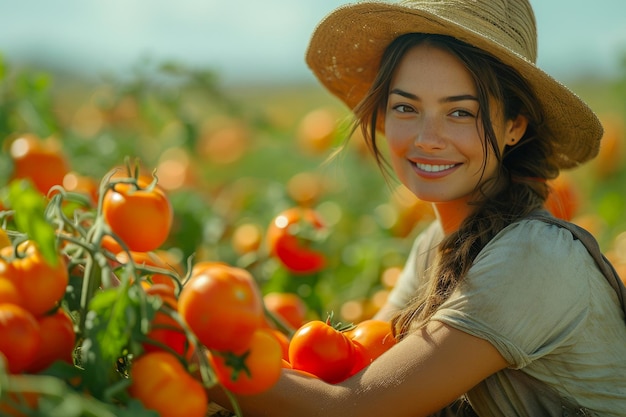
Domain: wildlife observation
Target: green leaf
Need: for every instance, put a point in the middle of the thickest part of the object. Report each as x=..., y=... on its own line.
x=114, y=319
x=30, y=207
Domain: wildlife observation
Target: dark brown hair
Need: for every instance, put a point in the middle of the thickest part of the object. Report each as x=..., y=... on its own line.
x=519, y=188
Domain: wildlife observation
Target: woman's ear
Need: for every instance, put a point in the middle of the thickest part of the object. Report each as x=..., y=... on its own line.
x=516, y=129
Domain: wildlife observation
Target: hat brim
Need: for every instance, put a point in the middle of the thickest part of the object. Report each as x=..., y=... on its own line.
x=346, y=48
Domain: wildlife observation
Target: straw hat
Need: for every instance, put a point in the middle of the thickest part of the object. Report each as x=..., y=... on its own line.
x=346, y=48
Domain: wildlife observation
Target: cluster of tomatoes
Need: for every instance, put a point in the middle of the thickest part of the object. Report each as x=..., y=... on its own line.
x=209, y=325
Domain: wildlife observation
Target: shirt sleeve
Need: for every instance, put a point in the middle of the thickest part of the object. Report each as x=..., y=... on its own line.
x=526, y=292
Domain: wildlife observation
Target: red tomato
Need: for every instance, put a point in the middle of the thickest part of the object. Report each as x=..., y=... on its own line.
x=255, y=370
x=321, y=350
x=20, y=339
x=372, y=338
x=57, y=340
x=290, y=236
x=161, y=383
x=40, y=285
x=142, y=218
x=223, y=306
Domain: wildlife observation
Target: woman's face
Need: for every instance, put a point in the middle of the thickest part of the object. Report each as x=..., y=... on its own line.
x=431, y=126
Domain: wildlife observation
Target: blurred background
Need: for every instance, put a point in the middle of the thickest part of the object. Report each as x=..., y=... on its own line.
x=216, y=97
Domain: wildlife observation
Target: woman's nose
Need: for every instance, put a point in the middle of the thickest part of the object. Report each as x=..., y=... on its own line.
x=428, y=134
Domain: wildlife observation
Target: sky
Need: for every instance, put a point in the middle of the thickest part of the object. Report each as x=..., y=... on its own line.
x=258, y=40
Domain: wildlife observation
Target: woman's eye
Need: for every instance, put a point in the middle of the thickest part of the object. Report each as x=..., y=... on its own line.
x=403, y=108
x=461, y=113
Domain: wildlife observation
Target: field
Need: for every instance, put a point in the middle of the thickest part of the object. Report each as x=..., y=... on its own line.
x=230, y=159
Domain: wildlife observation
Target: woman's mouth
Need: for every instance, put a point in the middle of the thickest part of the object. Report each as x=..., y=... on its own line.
x=433, y=171
x=434, y=168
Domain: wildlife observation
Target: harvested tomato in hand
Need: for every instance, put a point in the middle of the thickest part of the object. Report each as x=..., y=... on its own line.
x=290, y=237
x=161, y=383
x=371, y=338
x=254, y=370
x=141, y=217
x=223, y=306
x=320, y=349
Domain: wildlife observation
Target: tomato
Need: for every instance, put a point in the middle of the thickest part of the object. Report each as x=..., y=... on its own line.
x=141, y=217
x=9, y=292
x=20, y=339
x=283, y=339
x=320, y=349
x=253, y=371
x=43, y=162
x=223, y=306
x=290, y=236
x=40, y=284
x=161, y=383
x=287, y=306
x=372, y=338
x=57, y=337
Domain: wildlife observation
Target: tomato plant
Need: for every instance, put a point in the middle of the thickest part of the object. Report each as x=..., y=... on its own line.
x=161, y=383
x=20, y=339
x=223, y=306
x=254, y=370
x=320, y=349
x=141, y=216
x=291, y=237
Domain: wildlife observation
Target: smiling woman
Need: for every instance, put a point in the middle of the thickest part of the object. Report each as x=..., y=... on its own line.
x=474, y=127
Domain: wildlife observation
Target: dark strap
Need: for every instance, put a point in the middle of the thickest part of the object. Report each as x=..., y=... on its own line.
x=593, y=248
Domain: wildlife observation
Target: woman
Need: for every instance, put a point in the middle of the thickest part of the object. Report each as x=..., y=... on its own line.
x=510, y=313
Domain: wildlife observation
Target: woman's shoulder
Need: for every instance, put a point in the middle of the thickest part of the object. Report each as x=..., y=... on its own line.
x=535, y=237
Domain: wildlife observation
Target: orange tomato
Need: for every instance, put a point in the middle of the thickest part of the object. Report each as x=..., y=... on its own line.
x=57, y=341
x=142, y=218
x=162, y=383
x=20, y=339
x=223, y=306
x=287, y=306
x=40, y=284
x=8, y=291
x=290, y=237
x=43, y=162
x=372, y=338
x=254, y=370
x=320, y=349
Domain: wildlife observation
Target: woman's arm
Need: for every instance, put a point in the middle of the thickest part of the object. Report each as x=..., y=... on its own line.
x=418, y=376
